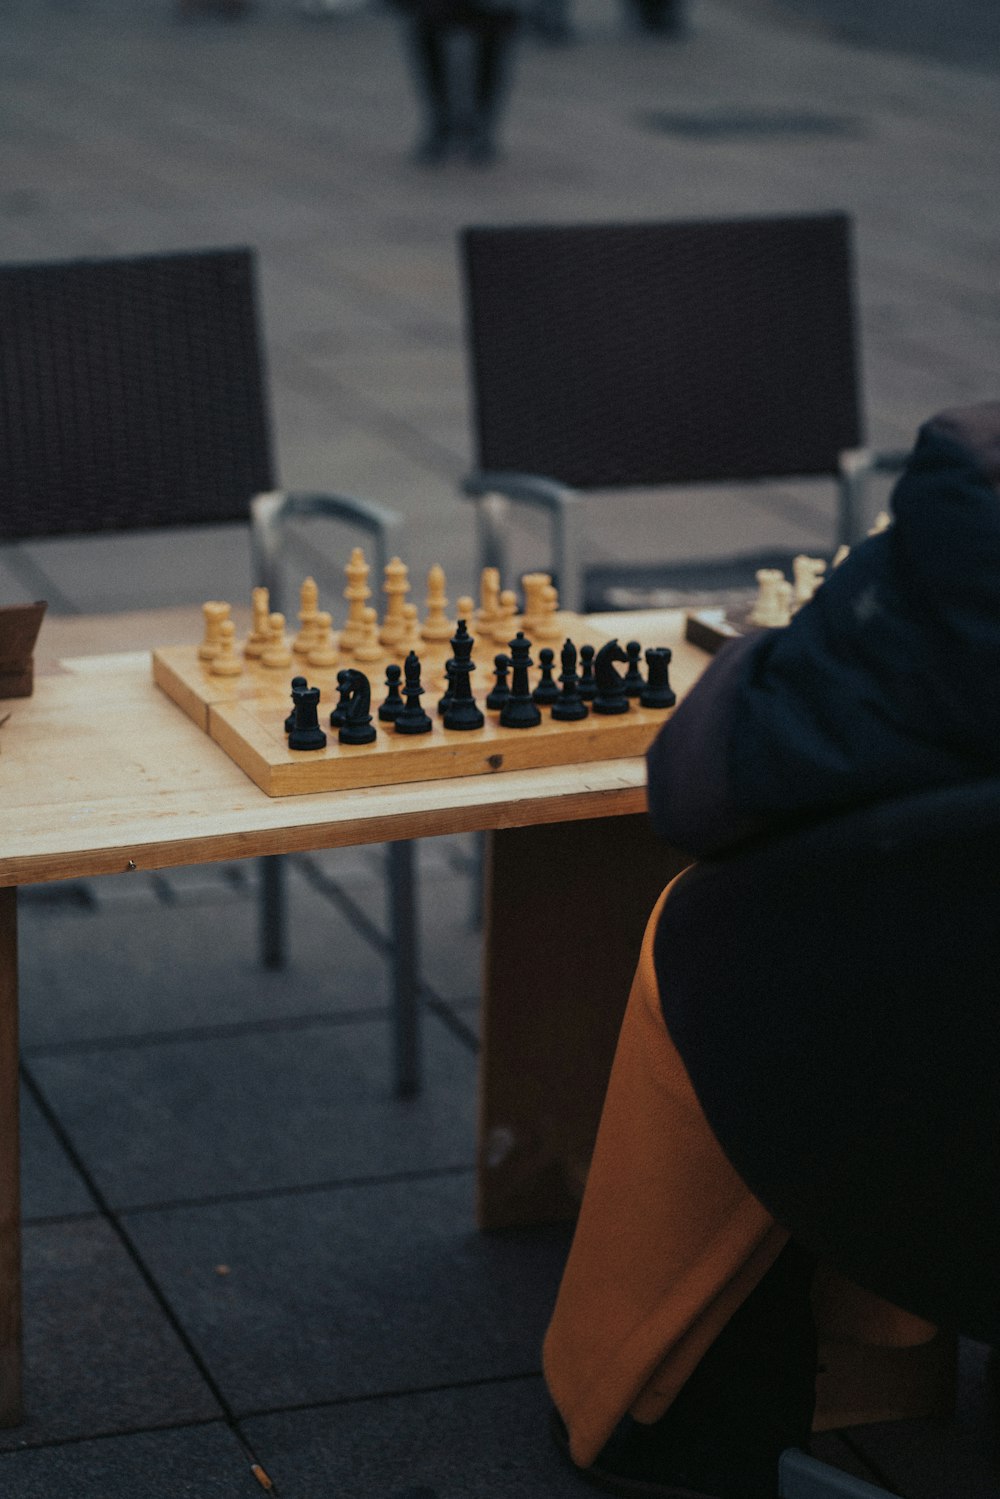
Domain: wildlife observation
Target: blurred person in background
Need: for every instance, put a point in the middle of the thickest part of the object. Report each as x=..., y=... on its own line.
x=460, y=55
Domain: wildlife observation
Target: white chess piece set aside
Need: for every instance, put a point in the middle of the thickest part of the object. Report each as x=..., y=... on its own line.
x=778, y=599
x=362, y=638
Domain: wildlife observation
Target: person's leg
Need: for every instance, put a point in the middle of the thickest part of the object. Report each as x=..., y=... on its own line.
x=493, y=36
x=669, y=1247
x=428, y=44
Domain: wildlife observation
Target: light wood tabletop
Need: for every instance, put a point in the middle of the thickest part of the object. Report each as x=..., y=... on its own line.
x=101, y=773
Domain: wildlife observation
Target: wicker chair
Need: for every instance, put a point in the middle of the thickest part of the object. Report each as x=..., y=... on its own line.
x=132, y=397
x=619, y=355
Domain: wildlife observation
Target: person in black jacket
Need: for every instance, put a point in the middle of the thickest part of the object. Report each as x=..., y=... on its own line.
x=806, y=1073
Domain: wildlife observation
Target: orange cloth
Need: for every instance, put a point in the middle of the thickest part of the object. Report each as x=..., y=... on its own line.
x=668, y=1245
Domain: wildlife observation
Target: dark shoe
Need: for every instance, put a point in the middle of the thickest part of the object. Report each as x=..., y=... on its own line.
x=751, y=1396
x=603, y=1475
x=432, y=149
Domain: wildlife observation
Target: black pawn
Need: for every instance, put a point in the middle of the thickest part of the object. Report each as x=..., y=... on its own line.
x=357, y=727
x=461, y=712
x=444, y=703
x=393, y=705
x=634, y=680
x=547, y=690
x=610, y=697
x=305, y=733
x=588, y=682
x=501, y=691
x=658, y=692
x=412, y=719
x=344, y=689
x=569, y=705
x=519, y=712
x=297, y=685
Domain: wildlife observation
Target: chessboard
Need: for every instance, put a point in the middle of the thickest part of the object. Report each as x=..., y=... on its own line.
x=245, y=707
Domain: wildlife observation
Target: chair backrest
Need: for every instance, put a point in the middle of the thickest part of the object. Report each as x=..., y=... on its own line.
x=834, y=994
x=630, y=354
x=131, y=394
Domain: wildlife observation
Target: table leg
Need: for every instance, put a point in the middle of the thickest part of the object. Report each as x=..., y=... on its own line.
x=566, y=906
x=405, y=969
x=10, y=1170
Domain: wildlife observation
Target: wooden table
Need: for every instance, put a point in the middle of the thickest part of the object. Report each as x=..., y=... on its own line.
x=101, y=774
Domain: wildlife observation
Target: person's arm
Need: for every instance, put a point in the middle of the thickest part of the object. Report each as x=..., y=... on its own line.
x=690, y=792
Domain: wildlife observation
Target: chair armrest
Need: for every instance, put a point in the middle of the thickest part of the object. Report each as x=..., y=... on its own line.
x=857, y=467
x=269, y=513
x=493, y=492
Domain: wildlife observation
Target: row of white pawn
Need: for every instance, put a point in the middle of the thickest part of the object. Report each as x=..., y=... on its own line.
x=361, y=637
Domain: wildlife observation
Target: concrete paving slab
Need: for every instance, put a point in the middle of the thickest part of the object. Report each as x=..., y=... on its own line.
x=481, y=1442
x=206, y=1461
x=52, y=1186
x=354, y=1292
x=99, y=1355
x=258, y=1110
x=138, y=966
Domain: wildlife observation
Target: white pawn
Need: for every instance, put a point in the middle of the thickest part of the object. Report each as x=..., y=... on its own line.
x=214, y=613
x=258, y=637
x=226, y=662
x=808, y=575
x=773, y=606
x=465, y=608
x=489, y=599
x=277, y=652
x=410, y=638
x=308, y=606
x=368, y=648
x=324, y=652
x=507, y=622
x=436, y=626
x=546, y=625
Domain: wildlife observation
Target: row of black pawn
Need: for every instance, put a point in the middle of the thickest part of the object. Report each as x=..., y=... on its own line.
x=598, y=686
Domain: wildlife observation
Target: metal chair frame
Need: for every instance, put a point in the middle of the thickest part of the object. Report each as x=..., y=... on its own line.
x=270, y=515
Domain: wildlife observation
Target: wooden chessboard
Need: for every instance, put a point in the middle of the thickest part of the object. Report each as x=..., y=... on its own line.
x=245, y=715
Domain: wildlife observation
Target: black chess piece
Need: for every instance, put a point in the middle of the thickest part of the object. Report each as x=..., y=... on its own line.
x=610, y=696
x=519, y=712
x=357, y=727
x=569, y=705
x=343, y=689
x=588, y=682
x=462, y=712
x=412, y=719
x=634, y=680
x=305, y=733
x=658, y=692
x=297, y=684
x=501, y=689
x=444, y=702
x=547, y=690
x=393, y=704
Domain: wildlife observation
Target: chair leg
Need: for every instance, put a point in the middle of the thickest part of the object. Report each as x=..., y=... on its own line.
x=273, y=905
x=405, y=968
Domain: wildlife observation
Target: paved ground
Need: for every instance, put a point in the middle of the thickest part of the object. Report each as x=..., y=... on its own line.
x=239, y=1247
